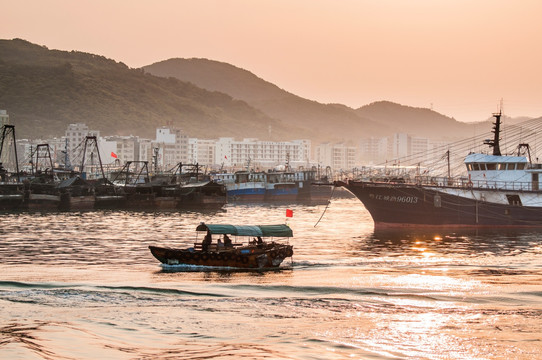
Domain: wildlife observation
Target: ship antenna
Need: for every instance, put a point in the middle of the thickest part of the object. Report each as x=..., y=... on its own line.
x=497, y=131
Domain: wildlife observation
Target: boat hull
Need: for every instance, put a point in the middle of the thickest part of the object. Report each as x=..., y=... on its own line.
x=247, y=194
x=244, y=258
x=281, y=192
x=403, y=205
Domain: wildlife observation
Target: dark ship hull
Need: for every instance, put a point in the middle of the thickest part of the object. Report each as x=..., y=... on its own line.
x=409, y=205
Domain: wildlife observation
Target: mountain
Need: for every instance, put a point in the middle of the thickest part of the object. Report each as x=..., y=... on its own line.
x=329, y=122
x=336, y=122
x=44, y=90
x=421, y=122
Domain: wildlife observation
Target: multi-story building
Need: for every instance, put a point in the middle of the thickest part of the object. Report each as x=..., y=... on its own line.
x=76, y=135
x=125, y=148
x=400, y=145
x=172, y=145
x=374, y=149
x=378, y=150
x=337, y=156
x=201, y=151
x=263, y=154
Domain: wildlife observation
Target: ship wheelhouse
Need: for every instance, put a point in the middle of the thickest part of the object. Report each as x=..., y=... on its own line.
x=503, y=172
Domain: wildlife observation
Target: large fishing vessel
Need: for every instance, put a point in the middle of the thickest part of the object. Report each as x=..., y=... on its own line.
x=499, y=190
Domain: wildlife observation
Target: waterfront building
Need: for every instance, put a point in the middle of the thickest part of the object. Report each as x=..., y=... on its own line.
x=338, y=156
x=378, y=150
x=201, y=151
x=172, y=147
x=373, y=149
x=121, y=149
x=262, y=154
x=76, y=135
x=400, y=145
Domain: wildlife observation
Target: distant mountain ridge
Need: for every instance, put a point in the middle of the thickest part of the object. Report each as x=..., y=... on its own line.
x=269, y=98
x=427, y=123
x=45, y=90
x=377, y=119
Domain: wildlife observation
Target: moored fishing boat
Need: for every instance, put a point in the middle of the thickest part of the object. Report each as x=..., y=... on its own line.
x=248, y=250
x=499, y=190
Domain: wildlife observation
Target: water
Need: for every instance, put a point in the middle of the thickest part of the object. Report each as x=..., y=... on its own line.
x=85, y=286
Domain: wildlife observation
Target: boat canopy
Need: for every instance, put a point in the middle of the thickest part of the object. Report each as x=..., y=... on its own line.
x=247, y=230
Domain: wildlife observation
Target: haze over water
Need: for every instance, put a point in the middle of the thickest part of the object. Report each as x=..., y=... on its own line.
x=85, y=286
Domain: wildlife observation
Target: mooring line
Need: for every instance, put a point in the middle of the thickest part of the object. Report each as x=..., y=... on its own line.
x=328, y=202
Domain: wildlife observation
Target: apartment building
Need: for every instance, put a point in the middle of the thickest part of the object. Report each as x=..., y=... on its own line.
x=262, y=154
x=337, y=156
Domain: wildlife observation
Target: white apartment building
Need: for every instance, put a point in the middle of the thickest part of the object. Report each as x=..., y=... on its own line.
x=76, y=135
x=262, y=154
x=400, y=145
x=125, y=148
x=172, y=145
x=378, y=150
x=337, y=156
x=374, y=149
x=201, y=151
x=145, y=150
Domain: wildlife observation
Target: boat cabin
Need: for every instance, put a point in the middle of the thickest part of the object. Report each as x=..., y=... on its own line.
x=502, y=172
x=247, y=233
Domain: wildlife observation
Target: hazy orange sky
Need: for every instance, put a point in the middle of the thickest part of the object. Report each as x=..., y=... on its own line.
x=458, y=56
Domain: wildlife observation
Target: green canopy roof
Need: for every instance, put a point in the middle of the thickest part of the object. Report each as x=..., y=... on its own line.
x=247, y=230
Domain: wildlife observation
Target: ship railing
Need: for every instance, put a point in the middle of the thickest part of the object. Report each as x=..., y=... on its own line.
x=458, y=182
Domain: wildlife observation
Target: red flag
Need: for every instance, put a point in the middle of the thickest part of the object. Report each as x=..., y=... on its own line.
x=225, y=157
x=289, y=213
x=113, y=155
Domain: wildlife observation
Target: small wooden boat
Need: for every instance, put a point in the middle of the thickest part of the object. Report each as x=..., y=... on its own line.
x=248, y=251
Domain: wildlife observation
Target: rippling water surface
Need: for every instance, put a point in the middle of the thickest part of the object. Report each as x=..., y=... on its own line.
x=85, y=286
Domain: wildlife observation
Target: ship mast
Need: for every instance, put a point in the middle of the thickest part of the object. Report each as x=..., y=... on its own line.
x=497, y=131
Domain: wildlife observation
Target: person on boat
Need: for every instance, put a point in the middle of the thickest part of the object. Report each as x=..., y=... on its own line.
x=227, y=241
x=219, y=244
x=206, y=241
x=260, y=241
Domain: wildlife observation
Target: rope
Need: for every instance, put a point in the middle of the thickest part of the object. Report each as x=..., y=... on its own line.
x=325, y=209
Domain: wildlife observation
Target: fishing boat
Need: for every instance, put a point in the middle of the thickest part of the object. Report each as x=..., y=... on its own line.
x=248, y=249
x=499, y=190
x=243, y=186
x=274, y=186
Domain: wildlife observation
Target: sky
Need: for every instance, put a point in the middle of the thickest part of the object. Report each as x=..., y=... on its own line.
x=458, y=57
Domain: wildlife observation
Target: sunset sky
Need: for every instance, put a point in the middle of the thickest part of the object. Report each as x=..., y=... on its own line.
x=458, y=56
